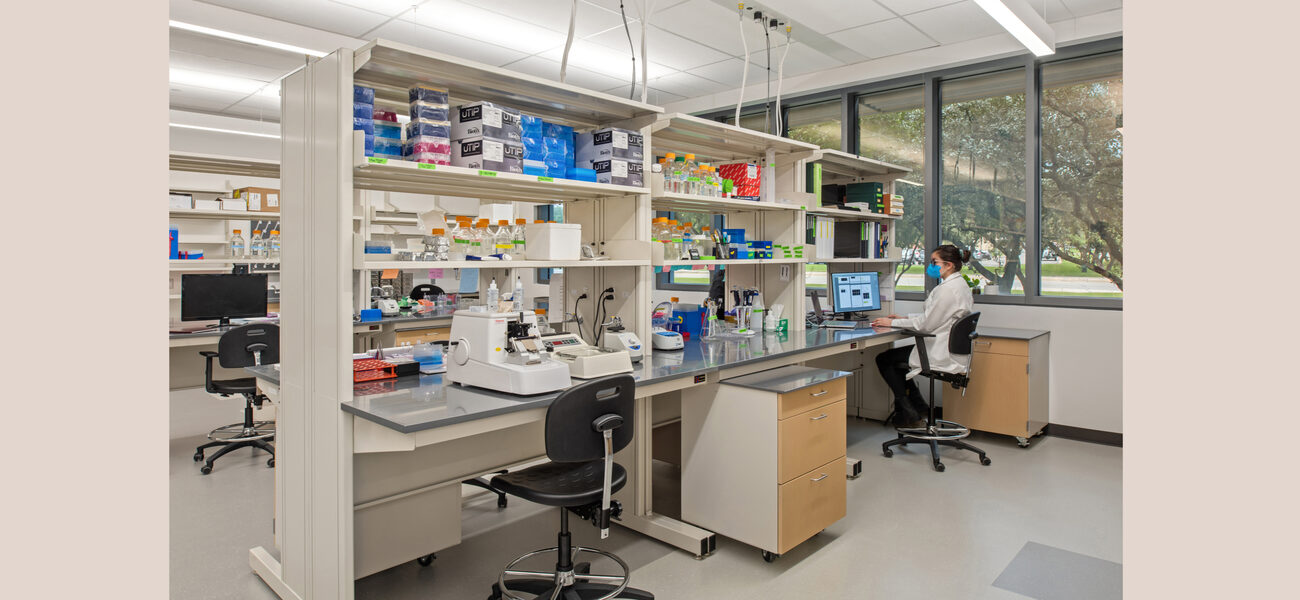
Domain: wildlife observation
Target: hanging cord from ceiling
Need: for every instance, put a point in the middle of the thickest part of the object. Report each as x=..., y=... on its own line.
x=631, y=94
x=644, y=10
x=767, y=107
x=744, y=67
x=568, y=42
x=780, y=75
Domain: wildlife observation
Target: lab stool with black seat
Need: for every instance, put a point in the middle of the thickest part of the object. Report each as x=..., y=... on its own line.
x=246, y=346
x=585, y=426
x=938, y=432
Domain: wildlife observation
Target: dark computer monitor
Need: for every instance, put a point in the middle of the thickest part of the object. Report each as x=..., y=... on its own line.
x=853, y=292
x=222, y=297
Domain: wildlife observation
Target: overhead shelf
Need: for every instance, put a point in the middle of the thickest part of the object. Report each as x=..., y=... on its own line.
x=689, y=202
x=392, y=68
x=732, y=261
x=224, y=215
x=842, y=165
x=223, y=165
x=379, y=265
x=830, y=261
x=386, y=175
x=215, y=264
x=712, y=141
x=840, y=213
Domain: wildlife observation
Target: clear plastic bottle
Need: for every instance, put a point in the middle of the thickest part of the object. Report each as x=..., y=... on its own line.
x=273, y=245
x=493, y=296
x=517, y=297
x=679, y=174
x=692, y=175
x=257, y=245
x=670, y=173
x=238, y=245
x=674, y=239
x=459, y=243
x=475, y=239
x=518, y=244
x=505, y=239
x=441, y=247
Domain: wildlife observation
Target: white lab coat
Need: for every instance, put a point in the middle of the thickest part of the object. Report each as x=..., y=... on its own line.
x=947, y=303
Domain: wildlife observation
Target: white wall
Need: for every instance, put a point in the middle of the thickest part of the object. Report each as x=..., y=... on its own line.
x=1087, y=362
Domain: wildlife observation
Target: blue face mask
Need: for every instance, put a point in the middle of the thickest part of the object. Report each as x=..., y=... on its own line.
x=933, y=271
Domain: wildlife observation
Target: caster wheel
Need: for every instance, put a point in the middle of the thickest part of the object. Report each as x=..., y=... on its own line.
x=198, y=456
x=426, y=560
x=501, y=502
x=205, y=469
x=270, y=462
x=1022, y=442
x=769, y=557
x=984, y=460
x=938, y=467
x=888, y=453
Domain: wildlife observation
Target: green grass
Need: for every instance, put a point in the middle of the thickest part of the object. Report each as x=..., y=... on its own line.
x=1085, y=294
x=1065, y=270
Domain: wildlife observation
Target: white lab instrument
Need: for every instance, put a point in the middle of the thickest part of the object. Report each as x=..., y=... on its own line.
x=586, y=361
x=615, y=337
x=384, y=301
x=501, y=351
x=662, y=339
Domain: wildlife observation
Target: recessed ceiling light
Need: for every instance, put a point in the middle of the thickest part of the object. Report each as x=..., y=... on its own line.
x=248, y=39
x=1020, y=20
x=220, y=130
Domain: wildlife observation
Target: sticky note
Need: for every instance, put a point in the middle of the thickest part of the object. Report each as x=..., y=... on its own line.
x=388, y=274
x=435, y=273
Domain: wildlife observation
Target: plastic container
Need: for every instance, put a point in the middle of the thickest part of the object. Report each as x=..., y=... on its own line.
x=517, y=239
x=363, y=95
x=390, y=130
x=371, y=314
x=273, y=245
x=430, y=111
x=580, y=174
x=553, y=241
x=361, y=110
x=427, y=93
x=238, y=246
x=257, y=245
x=385, y=116
x=174, y=236
x=441, y=247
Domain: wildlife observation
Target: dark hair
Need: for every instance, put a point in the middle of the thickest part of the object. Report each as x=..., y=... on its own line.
x=953, y=254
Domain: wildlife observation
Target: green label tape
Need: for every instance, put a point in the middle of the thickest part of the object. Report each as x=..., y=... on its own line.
x=484, y=173
x=374, y=160
x=544, y=178
x=426, y=166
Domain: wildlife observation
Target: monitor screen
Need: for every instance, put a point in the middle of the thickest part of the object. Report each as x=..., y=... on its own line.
x=226, y=296
x=852, y=292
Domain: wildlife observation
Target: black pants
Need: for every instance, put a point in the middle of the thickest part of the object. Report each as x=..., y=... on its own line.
x=907, y=396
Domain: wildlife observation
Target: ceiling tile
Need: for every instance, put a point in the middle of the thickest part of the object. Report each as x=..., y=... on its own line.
x=956, y=23
x=213, y=47
x=825, y=16
x=207, y=64
x=727, y=72
x=907, y=7
x=550, y=69
x=606, y=61
x=407, y=32
x=707, y=24
x=664, y=47
x=802, y=59
x=885, y=38
x=1056, y=10
x=320, y=14
x=591, y=20
x=656, y=97
x=257, y=107
x=630, y=5
x=485, y=26
x=189, y=96
x=388, y=8
x=1083, y=8
x=687, y=85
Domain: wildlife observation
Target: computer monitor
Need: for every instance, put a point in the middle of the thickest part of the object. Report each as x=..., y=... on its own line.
x=222, y=297
x=852, y=292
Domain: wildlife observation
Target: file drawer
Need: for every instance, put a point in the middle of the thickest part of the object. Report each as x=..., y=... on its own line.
x=809, y=439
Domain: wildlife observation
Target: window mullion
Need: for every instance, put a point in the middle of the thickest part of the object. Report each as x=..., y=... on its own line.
x=1033, y=147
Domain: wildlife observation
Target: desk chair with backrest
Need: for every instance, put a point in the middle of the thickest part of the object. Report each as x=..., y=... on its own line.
x=425, y=290
x=938, y=432
x=585, y=426
x=246, y=346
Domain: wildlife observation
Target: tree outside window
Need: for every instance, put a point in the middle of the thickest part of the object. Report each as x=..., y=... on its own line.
x=891, y=128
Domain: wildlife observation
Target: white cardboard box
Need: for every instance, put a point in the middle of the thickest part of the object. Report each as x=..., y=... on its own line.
x=233, y=204
x=207, y=204
x=180, y=201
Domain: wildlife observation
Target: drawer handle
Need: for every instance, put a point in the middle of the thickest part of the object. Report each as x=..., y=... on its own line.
x=982, y=343
x=821, y=393
x=824, y=476
x=817, y=418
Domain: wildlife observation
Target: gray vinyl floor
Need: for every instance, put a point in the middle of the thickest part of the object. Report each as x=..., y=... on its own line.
x=1043, y=522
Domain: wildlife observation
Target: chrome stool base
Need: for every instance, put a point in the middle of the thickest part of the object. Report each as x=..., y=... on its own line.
x=555, y=582
x=236, y=432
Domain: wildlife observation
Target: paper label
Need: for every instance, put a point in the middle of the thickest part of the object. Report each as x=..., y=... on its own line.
x=483, y=173
x=435, y=273
x=620, y=140
x=618, y=168
x=272, y=200
x=426, y=166
x=377, y=161
x=491, y=116
x=544, y=178
x=751, y=171
x=254, y=201
x=494, y=151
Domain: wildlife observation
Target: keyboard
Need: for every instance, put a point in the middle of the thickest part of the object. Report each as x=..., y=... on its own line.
x=847, y=324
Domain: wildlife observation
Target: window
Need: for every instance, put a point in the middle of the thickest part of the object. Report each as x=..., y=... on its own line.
x=753, y=120
x=982, y=192
x=817, y=124
x=1082, y=178
x=891, y=128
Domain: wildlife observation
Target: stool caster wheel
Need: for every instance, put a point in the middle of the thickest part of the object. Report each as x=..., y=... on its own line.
x=270, y=462
x=198, y=456
x=984, y=460
x=501, y=502
x=938, y=466
x=769, y=557
x=205, y=469
x=1022, y=442
x=427, y=560
x=888, y=453
x=496, y=593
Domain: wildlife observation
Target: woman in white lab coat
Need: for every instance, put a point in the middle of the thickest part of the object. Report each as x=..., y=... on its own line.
x=947, y=303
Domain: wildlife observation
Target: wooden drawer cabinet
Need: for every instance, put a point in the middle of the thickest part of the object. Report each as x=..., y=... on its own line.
x=418, y=336
x=1008, y=385
x=763, y=455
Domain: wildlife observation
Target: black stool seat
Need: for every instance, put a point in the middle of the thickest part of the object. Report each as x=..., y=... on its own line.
x=243, y=385
x=560, y=484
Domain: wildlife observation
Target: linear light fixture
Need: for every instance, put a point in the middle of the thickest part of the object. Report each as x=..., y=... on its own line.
x=220, y=130
x=226, y=83
x=1020, y=20
x=247, y=39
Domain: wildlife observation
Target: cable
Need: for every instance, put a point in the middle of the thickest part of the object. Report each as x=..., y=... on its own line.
x=744, y=68
x=568, y=42
x=767, y=112
x=631, y=94
x=577, y=321
x=645, y=52
x=780, y=74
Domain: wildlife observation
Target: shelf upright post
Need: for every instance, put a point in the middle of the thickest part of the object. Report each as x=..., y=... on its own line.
x=314, y=438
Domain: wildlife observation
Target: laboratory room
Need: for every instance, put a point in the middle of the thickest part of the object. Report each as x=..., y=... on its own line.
x=645, y=299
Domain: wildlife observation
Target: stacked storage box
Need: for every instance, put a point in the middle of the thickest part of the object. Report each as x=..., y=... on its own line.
x=363, y=114
x=869, y=196
x=487, y=136
x=533, y=135
x=428, y=134
x=617, y=155
x=560, y=157
x=745, y=179
x=388, y=135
